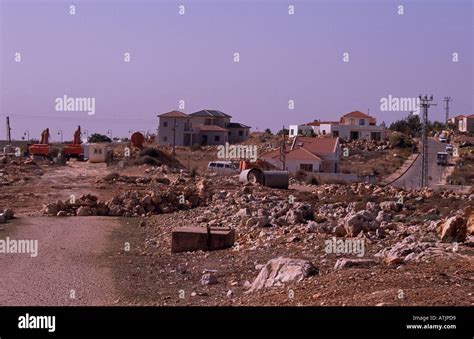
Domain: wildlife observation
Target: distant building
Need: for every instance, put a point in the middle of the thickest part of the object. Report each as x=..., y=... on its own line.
x=351, y=126
x=310, y=154
x=181, y=136
x=295, y=130
x=205, y=127
x=455, y=120
x=466, y=123
x=238, y=132
x=357, y=125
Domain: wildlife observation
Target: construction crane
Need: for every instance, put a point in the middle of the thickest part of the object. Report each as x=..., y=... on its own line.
x=75, y=149
x=42, y=148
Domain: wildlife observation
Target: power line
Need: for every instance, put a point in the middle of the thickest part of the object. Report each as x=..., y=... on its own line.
x=425, y=104
x=446, y=107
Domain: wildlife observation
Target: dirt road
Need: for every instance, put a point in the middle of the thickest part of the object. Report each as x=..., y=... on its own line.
x=72, y=261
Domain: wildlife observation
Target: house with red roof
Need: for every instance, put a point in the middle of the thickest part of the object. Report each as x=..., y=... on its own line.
x=310, y=154
x=351, y=126
x=205, y=127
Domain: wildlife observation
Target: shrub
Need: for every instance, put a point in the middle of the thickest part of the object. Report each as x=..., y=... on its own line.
x=400, y=140
x=151, y=152
x=147, y=160
x=96, y=137
x=311, y=180
x=300, y=175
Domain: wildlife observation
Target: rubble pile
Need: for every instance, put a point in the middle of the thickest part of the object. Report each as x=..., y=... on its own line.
x=128, y=204
x=115, y=177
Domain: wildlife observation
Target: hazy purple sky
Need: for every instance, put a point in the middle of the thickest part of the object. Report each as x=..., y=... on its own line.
x=190, y=57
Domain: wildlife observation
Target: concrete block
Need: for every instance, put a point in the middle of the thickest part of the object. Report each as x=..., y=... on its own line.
x=187, y=239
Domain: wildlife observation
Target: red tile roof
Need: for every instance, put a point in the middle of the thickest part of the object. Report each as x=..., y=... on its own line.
x=210, y=128
x=295, y=154
x=329, y=122
x=313, y=123
x=301, y=154
x=316, y=145
x=174, y=114
x=356, y=114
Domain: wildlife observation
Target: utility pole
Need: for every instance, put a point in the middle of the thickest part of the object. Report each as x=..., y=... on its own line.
x=446, y=107
x=174, y=143
x=283, y=149
x=9, y=132
x=425, y=103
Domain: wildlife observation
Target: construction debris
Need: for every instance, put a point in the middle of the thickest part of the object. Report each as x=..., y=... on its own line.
x=187, y=239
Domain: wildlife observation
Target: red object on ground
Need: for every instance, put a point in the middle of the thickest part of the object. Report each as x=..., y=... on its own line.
x=39, y=149
x=73, y=150
x=137, y=139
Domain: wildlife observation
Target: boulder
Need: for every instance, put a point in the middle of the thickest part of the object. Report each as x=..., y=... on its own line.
x=344, y=263
x=354, y=223
x=470, y=223
x=389, y=206
x=50, y=209
x=283, y=270
x=454, y=229
x=115, y=210
x=208, y=279
x=84, y=211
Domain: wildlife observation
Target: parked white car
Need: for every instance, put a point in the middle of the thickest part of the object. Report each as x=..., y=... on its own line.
x=224, y=167
x=442, y=138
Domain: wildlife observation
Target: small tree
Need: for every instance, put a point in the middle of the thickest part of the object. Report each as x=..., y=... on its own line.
x=268, y=131
x=96, y=137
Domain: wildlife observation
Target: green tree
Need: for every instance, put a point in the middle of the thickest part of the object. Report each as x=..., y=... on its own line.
x=411, y=126
x=96, y=137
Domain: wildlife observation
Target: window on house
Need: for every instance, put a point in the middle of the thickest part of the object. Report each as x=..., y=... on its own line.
x=165, y=123
x=165, y=139
x=352, y=121
x=362, y=122
x=208, y=122
x=241, y=133
x=306, y=167
x=377, y=136
x=292, y=131
x=217, y=138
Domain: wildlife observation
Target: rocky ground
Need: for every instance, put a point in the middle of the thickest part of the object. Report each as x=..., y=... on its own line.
x=293, y=247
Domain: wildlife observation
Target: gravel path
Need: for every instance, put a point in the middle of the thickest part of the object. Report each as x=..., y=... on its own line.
x=71, y=260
